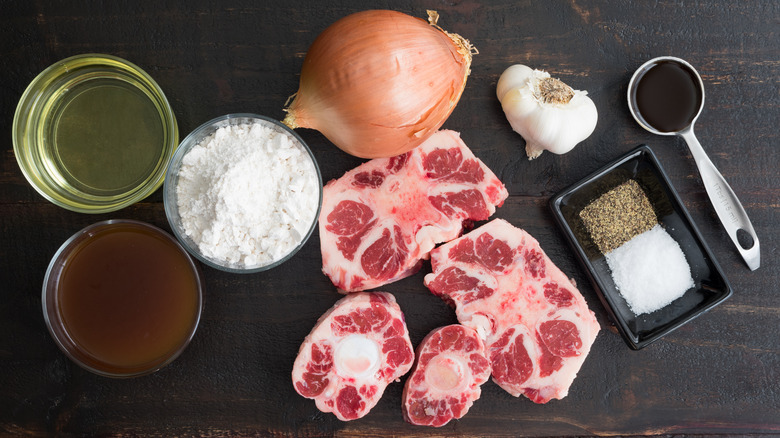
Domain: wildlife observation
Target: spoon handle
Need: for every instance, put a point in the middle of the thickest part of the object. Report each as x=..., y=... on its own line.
x=730, y=211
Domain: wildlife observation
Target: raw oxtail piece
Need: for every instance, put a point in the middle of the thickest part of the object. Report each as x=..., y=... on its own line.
x=353, y=352
x=380, y=220
x=536, y=325
x=451, y=367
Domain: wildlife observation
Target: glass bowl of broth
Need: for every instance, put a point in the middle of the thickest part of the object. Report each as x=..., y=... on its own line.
x=122, y=298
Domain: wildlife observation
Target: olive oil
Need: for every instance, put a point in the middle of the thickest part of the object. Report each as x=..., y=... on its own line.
x=107, y=136
x=128, y=298
x=94, y=133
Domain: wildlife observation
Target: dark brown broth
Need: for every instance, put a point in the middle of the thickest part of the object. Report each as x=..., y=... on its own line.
x=668, y=96
x=128, y=298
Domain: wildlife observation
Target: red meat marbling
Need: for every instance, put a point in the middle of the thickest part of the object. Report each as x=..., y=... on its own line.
x=381, y=219
x=451, y=367
x=536, y=325
x=353, y=352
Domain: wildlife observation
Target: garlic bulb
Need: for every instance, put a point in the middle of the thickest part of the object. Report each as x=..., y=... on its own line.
x=549, y=114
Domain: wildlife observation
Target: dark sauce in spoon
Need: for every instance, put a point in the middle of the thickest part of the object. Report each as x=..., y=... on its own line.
x=668, y=96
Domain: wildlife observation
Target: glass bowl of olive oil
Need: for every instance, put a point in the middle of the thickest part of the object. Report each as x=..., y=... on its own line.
x=94, y=133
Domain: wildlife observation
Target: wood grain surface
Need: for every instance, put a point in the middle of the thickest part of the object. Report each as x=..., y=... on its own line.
x=719, y=374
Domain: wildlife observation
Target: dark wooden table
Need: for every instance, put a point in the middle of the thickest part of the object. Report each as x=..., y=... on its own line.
x=720, y=374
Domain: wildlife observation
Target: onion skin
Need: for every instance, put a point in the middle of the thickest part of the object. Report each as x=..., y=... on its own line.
x=378, y=83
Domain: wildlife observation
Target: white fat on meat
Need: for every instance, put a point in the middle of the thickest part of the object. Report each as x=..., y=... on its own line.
x=353, y=352
x=536, y=325
x=381, y=219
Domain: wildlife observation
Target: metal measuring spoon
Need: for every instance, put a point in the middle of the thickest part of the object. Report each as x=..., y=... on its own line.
x=730, y=211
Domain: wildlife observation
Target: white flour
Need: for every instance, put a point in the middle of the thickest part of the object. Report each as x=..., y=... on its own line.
x=247, y=194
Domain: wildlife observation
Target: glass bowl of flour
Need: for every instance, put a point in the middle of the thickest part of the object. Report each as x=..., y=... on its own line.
x=243, y=193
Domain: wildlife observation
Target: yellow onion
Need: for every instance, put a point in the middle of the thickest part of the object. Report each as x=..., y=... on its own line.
x=378, y=83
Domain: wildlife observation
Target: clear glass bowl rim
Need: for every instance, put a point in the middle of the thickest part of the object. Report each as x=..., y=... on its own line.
x=51, y=315
x=30, y=99
x=169, y=188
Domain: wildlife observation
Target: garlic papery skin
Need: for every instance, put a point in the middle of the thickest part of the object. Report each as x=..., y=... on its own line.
x=547, y=113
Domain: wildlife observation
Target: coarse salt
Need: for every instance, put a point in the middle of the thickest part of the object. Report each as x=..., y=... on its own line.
x=247, y=194
x=650, y=271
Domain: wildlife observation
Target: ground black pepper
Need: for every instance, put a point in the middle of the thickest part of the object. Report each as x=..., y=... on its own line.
x=618, y=215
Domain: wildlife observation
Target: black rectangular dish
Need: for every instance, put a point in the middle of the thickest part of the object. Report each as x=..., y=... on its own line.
x=710, y=285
